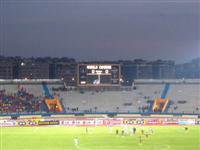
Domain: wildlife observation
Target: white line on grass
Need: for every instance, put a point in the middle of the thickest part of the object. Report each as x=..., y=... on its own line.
x=99, y=146
x=166, y=148
x=35, y=130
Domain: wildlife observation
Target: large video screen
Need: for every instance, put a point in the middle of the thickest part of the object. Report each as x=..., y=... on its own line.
x=98, y=74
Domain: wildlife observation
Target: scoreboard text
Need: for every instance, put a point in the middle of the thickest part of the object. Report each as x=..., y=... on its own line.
x=98, y=74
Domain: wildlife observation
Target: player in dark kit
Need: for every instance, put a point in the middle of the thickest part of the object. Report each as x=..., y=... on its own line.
x=147, y=135
x=86, y=130
x=134, y=130
x=186, y=128
x=117, y=132
x=122, y=131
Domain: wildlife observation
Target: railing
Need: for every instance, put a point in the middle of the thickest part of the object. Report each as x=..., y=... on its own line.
x=93, y=113
x=46, y=90
x=165, y=91
x=29, y=81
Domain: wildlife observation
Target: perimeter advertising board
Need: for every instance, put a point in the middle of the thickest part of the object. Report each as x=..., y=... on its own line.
x=91, y=122
x=100, y=122
x=186, y=121
x=7, y=123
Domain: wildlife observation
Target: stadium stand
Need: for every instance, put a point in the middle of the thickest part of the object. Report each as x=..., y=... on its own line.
x=20, y=101
x=186, y=98
x=22, y=97
x=30, y=97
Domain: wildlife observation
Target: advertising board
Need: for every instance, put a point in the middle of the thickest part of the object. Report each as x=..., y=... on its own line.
x=51, y=122
x=7, y=123
x=100, y=122
x=186, y=121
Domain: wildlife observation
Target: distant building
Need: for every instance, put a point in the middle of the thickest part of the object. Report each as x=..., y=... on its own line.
x=144, y=71
x=141, y=69
x=31, y=69
x=6, y=69
x=64, y=70
x=189, y=70
x=129, y=73
x=137, y=69
x=163, y=69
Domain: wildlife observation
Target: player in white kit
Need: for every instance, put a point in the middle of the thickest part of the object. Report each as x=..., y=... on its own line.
x=76, y=141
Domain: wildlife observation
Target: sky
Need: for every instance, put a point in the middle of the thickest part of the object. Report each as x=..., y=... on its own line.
x=89, y=30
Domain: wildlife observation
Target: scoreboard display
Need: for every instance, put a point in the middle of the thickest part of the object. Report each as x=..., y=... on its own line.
x=98, y=74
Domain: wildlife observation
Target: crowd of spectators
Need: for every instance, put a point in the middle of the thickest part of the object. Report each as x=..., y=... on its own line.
x=20, y=102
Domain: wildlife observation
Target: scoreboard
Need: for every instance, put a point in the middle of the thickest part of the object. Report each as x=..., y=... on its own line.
x=98, y=74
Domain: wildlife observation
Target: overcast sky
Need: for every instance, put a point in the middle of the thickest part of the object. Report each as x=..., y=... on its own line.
x=101, y=29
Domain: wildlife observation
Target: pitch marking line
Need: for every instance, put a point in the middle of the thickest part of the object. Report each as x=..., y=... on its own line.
x=35, y=130
x=166, y=147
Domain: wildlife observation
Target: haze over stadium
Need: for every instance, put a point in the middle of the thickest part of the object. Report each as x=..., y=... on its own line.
x=101, y=30
x=99, y=74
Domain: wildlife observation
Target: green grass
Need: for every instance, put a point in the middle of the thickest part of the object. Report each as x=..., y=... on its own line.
x=98, y=138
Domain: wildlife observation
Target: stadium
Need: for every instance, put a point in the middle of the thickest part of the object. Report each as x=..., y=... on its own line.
x=99, y=113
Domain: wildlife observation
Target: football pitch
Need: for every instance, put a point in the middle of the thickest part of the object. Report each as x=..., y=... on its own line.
x=99, y=138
